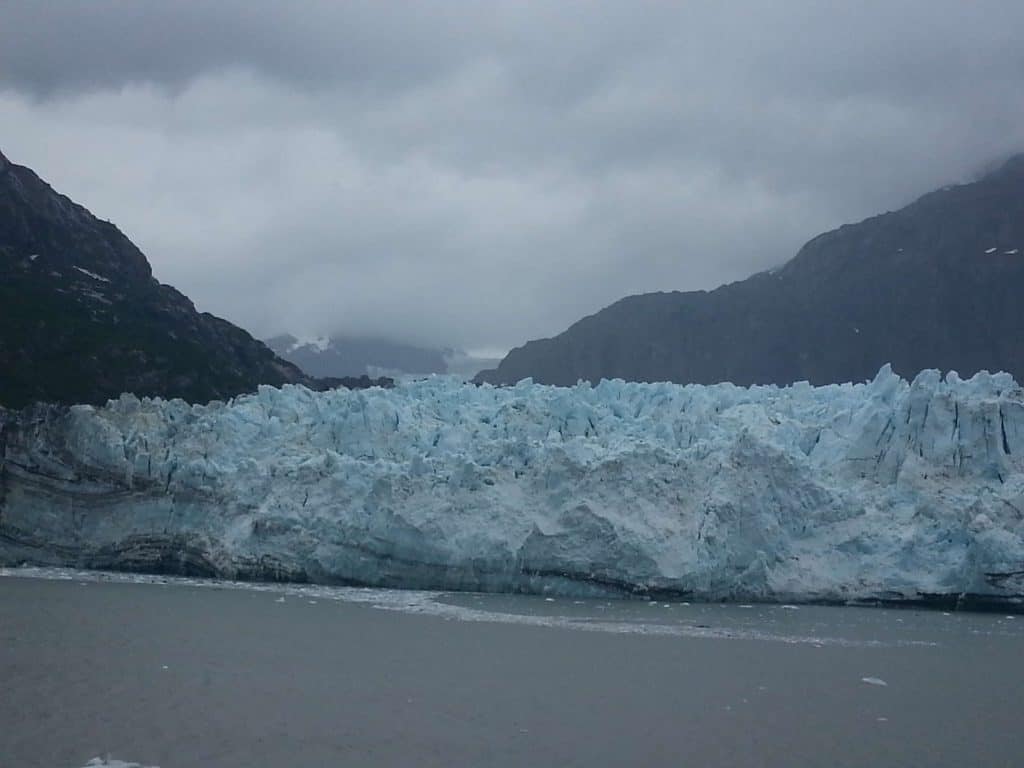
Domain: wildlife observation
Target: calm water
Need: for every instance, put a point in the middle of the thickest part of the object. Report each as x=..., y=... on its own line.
x=186, y=673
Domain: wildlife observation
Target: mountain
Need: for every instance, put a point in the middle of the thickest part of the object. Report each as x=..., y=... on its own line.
x=82, y=319
x=937, y=284
x=357, y=356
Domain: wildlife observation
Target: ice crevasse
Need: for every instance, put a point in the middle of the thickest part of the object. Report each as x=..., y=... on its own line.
x=888, y=490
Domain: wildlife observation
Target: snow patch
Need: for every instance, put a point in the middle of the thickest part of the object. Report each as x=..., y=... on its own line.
x=320, y=343
x=93, y=275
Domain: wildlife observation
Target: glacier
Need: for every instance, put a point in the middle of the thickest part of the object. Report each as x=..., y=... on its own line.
x=886, y=490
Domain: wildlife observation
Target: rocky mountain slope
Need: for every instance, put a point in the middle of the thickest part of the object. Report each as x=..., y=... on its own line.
x=891, y=490
x=82, y=319
x=937, y=284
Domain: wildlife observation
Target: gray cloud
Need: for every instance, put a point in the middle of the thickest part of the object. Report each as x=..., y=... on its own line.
x=483, y=173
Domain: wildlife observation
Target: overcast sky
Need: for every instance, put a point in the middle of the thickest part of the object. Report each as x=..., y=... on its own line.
x=483, y=173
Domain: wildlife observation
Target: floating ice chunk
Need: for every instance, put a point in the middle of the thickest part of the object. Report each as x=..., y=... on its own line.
x=873, y=681
x=1012, y=252
x=991, y=250
x=99, y=762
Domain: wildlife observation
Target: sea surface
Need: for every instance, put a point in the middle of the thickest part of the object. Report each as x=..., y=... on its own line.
x=115, y=670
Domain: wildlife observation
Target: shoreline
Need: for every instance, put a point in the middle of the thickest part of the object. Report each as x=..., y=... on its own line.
x=962, y=603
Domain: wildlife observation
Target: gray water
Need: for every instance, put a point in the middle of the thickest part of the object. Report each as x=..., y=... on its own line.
x=177, y=673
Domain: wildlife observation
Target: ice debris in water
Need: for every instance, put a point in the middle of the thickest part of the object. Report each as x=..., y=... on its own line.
x=886, y=488
x=874, y=681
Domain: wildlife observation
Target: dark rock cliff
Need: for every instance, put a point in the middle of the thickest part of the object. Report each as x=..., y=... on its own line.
x=937, y=284
x=82, y=318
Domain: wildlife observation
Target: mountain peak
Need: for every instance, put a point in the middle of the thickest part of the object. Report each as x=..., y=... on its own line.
x=1014, y=166
x=1008, y=167
x=84, y=320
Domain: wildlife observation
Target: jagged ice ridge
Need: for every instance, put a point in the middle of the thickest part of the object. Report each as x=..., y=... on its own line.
x=883, y=490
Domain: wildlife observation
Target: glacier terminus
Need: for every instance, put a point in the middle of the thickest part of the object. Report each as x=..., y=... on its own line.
x=887, y=490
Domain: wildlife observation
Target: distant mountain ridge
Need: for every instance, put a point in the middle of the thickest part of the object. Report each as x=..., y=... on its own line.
x=82, y=319
x=339, y=355
x=937, y=284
